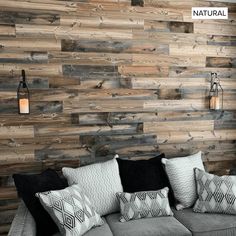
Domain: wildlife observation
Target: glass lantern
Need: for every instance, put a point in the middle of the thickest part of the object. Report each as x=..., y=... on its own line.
x=216, y=93
x=23, y=96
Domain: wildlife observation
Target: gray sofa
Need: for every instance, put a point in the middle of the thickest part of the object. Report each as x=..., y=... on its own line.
x=184, y=222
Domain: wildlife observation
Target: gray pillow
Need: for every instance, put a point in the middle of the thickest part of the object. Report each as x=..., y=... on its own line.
x=215, y=194
x=144, y=204
x=180, y=171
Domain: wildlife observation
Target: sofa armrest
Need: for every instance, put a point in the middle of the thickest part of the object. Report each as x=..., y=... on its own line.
x=23, y=223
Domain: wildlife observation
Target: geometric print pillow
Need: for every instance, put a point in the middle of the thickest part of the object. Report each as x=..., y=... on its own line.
x=144, y=204
x=71, y=210
x=215, y=194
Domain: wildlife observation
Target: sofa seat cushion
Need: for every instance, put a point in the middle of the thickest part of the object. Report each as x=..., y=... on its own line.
x=103, y=230
x=161, y=226
x=206, y=224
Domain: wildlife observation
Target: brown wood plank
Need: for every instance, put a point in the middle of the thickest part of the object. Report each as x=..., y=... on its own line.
x=209, y=50
x=181, y=137
x=29, y=44
x=7, y=31
x=165, y=126
x=214, y=29
x=16, y=132
x=70, y=32
x=34, y=6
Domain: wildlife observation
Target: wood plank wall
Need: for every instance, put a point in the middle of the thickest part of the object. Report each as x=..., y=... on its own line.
x=112, y=76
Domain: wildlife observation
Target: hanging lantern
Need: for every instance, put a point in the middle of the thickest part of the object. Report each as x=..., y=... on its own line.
x=216, y=93
x=23, y=96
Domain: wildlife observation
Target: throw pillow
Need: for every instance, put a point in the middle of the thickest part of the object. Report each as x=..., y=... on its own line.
x=144, y=204
x=100, y=182
x=180, y=171
x=28, y=185
x=71, y=210
x=144, y=175
x=215, y=194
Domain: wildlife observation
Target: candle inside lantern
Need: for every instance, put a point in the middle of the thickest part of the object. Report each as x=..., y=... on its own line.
x=24, y=105
x=215, y=103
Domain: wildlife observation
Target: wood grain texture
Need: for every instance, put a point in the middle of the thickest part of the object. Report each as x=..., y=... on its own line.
x=112, y=76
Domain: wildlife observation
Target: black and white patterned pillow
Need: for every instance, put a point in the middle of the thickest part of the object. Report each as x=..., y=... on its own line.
x=71, y=210
x=215, y=194
x=144, y=204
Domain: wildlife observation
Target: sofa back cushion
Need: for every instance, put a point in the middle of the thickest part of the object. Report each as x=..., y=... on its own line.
x=144, y=175
x=100, y=182
x=28, y=185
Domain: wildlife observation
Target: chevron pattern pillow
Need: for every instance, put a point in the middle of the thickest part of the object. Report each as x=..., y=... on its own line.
x=144, y=204
x=215, y=194
x=180, y=171
x=71, y=210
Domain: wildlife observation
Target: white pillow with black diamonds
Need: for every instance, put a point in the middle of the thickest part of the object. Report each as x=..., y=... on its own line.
x=100, y=182
x=180, y=171
x=144, y=204
x=71, y=210
x=215, y=194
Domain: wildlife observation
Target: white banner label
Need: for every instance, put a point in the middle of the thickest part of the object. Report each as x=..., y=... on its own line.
x=209, y=13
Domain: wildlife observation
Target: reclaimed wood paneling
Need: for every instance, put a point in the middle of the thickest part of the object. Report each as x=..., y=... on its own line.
x=112, y=76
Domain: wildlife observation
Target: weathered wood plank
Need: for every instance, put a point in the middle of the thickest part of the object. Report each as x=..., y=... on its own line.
x=36, y=108
x=129, y=118
x=16, y=132
x=95, y=59
x=182, y=137
x=170, y=83
x=201, y=72
x=169, y=26
x=70, y=32
x=29, y=45
x=131, y=70
x=214, y=29
x=211, y=150
x=146, y=13
x=220, y=167
x=165, y=37
x=14, y=155
x=46, y=6
x=76, y=153
x=209, y=50
x=34, y=167
x=47, y=143
x=121, y=46
x=224, y=62
x=93, y=130
x=12, y=82
x=165, y=126
x=32, y=57
x=174, y=83
x=221, y=40
x=8, y=17
x=7, y=31
x=102, y=22
x=152, y=60
x=31, y=69
x=176, y=105
x=103, y=105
